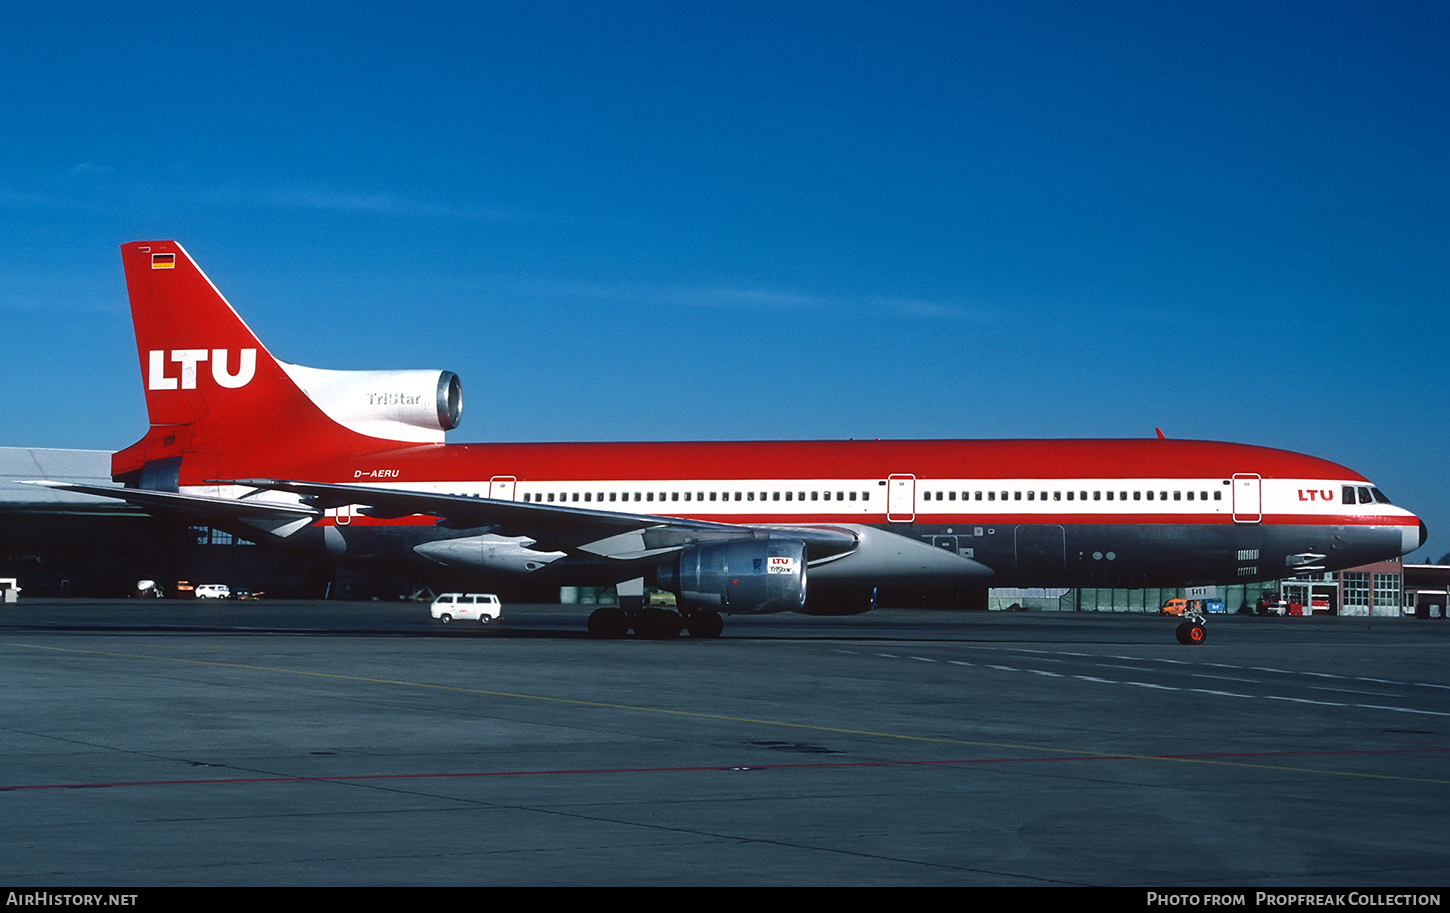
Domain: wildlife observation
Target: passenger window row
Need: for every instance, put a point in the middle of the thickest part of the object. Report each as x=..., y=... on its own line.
x=1096, y=495
x=649, y=497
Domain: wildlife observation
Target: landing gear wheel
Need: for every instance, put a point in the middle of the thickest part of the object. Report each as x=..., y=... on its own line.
x=704, y=625
x=1191, y=633
x=608, y=622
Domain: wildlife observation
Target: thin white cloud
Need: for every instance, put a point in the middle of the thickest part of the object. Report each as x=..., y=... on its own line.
x=755, y=299
x=91, y=168
x=746, y=299
x=78, y=187
x=324, y=199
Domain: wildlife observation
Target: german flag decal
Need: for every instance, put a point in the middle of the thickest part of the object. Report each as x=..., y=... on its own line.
x=163, y=261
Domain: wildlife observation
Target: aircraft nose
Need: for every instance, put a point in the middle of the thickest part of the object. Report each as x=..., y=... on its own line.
x=1412, y=539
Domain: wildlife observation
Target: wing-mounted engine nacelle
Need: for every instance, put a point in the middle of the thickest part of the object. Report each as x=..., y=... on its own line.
x=748, y=576
x=415, y=406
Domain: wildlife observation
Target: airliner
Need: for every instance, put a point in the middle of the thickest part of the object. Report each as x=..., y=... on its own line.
x=354, y=465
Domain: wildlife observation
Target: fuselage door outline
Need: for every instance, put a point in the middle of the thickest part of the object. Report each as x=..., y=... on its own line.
x=501, y=488
x=900, y=498
x=1248, y=504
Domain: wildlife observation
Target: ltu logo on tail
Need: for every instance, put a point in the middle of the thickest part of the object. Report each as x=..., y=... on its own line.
x=188, y=359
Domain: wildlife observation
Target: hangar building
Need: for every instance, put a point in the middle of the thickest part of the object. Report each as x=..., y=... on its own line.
x=59, y=543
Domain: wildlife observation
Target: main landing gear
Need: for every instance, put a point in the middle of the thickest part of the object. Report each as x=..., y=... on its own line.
x=1192, y=631
x=653, y=623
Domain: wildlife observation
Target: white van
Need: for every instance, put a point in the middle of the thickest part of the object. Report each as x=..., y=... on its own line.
x=213, y=591
x=481, y=607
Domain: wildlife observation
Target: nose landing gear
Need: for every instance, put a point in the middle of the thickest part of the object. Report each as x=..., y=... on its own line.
x=1192, y=631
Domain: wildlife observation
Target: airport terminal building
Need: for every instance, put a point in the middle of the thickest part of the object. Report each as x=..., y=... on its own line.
x=59, y=543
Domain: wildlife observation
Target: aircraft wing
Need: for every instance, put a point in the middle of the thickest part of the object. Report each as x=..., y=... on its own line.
x=558, y=527
x=268, y=516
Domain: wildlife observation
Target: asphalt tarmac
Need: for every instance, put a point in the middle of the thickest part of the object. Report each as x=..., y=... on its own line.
x=325, y=743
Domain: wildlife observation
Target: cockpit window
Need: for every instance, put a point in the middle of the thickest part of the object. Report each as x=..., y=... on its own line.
x=1364, y=497
x=1348, y=497
x=1379, y=496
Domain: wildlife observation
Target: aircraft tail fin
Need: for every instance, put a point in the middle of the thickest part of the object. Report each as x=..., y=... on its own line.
x=219, y=404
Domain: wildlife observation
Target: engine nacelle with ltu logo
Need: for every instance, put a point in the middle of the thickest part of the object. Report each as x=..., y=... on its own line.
x=748, y=576
x=396, y=405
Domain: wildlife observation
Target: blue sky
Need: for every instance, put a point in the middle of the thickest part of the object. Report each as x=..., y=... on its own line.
x=698, y=220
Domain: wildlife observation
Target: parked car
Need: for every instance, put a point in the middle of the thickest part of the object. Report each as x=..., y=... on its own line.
x=480, y=607
x=1274, y=604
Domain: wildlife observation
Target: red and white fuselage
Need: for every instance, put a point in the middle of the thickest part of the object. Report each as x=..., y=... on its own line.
x=358, y=459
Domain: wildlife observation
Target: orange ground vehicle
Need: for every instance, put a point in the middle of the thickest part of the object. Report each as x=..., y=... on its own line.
x=1174, y=607
x=1192, y=607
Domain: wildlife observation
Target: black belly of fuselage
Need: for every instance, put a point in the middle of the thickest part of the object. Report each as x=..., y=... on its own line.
x=1156, y=555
